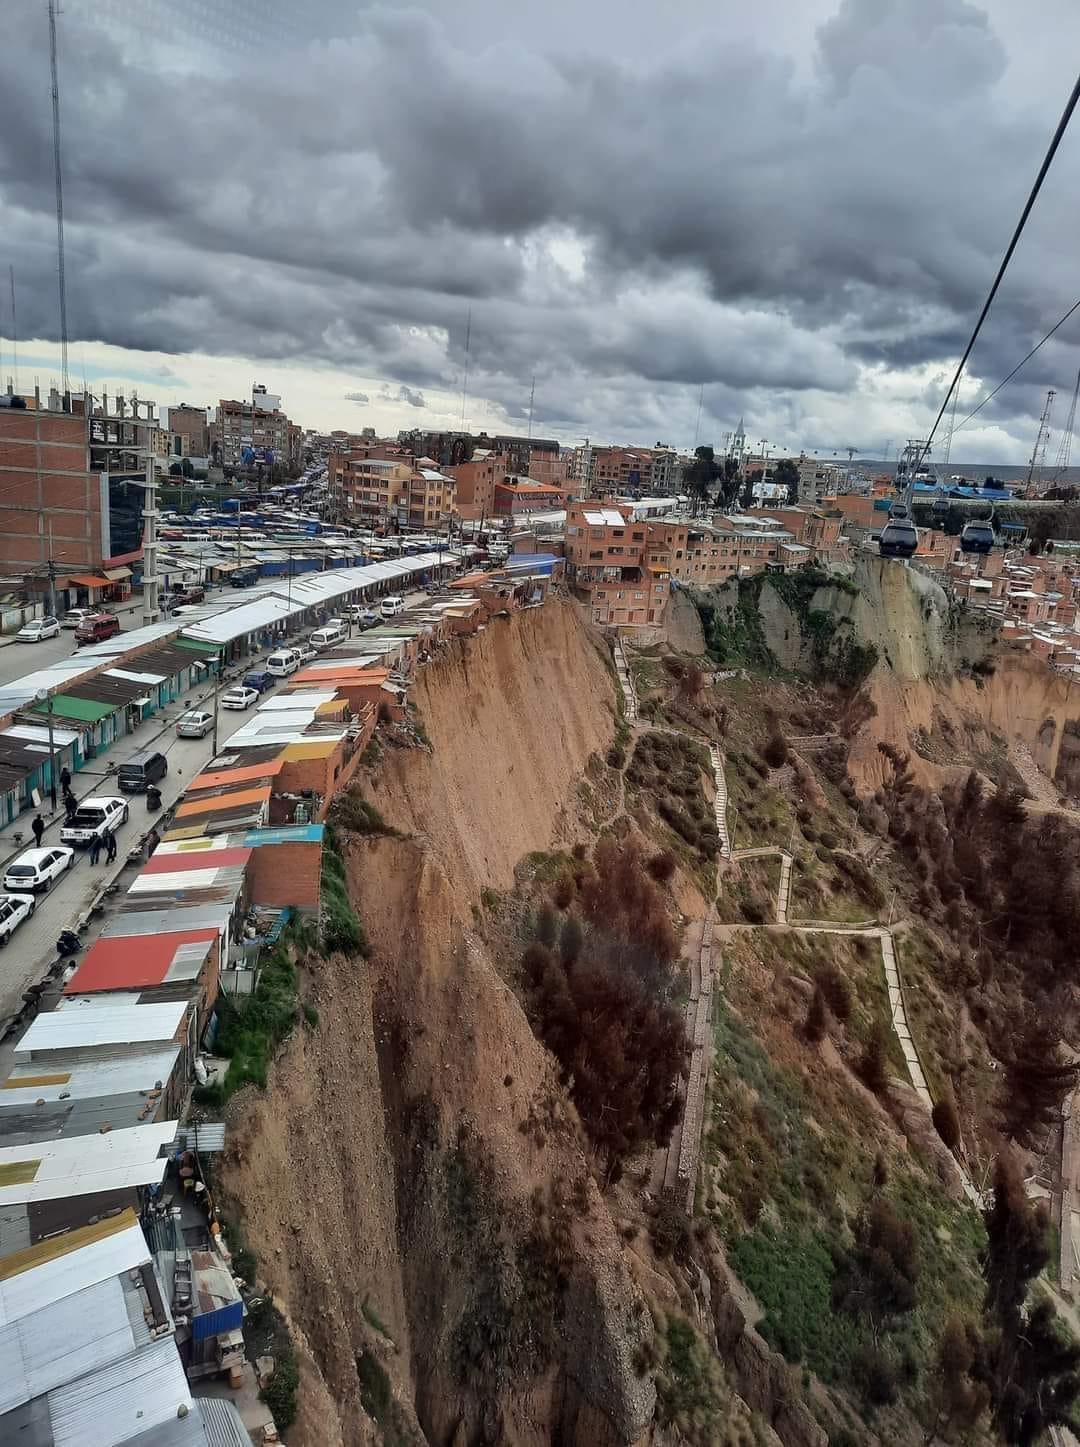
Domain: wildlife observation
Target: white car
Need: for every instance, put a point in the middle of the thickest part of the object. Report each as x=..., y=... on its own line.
x=93, y=819
x=305, y=650
x=37, y=868
x=14, y=908
x=74, y=616
x=37, y=630
x=195, y=724
x=239, y=697
x=392, y=606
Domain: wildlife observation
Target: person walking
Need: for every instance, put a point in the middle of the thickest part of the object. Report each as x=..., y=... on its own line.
x=95, y=849
x=70, y=805
x=110, y=847
x=38, y=826
x=153, y=839
x=65, y=779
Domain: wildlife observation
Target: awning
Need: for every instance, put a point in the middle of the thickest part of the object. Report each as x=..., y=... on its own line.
x=85, y=580
x=116, y=575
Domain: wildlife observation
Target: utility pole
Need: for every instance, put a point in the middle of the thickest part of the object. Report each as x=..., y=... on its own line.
x=465, y=375
x=532, y=399
x=14, y=330
x=150, y=571
x=217, y=689
x=65, y=384
x=1065, y=447
x=44, y=696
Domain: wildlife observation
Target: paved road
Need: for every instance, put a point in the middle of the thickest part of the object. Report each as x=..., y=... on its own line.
x=31, y=952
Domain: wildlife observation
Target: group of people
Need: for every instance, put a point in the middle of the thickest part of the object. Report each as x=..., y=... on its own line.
x=106, y=843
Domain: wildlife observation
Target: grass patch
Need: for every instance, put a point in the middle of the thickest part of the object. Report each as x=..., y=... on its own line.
x=691, y=1392
x=251, y=1027
x=376, y=1395
x=748, y=892
x=358, y=815
x=668, y=771
x=341, y=926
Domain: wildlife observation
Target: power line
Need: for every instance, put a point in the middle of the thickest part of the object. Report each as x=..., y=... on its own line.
x=1022, y=363
x=65, y=383
x=1055, y=141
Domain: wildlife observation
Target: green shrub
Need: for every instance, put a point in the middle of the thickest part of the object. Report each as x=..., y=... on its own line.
x=341, y=927
x=279, y=1394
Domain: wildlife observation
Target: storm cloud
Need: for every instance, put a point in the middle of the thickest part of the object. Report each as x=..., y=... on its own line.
x=804, y=236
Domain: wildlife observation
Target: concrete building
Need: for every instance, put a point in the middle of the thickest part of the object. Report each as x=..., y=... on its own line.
x=428, y=501
x=621, y=470
x=367, y=490
x=189, y=431
x=259, y=424
x=817, y=479
x=666, y=470
x=625, y=583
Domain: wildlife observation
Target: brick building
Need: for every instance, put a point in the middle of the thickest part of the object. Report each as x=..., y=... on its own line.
x=259, y=424
x=610, y=562
x=519, y=496
x=475, y=482
x=51, y=503
x=366, y=490
x=620, y=470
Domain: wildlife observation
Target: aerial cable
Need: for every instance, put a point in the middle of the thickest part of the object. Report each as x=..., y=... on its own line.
x=1055, y=141
x=1061, y=322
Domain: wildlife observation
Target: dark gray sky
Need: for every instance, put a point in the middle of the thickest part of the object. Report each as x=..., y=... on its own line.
x=797, y=205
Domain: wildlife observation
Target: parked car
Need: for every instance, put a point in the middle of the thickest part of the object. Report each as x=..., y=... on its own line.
x=367, y=618
x=93, y=819
x=74, y=616
x=96, y=628
x=392, y=606
x=37, y=868
x=14, y=908
x=243, y=577
x=240, y=696
x=195, y=724
x=195, y=594
x=259, y=680
x=37, y=630
x=283, y=662
x=306, y=648
x=140, y=770
x=330, y=633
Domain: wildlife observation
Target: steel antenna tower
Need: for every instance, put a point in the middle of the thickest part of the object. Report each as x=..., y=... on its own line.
x=465, y=375
x=952, y=429
x=65, y=385
x=14, y=330
x=1038, y=452
x=1065, y=447
x=532, y=399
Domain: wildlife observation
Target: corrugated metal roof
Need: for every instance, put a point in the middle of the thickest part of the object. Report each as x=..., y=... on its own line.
x=39, y=734
x=298, y=699
x=108, y=1025
x=207, y=1136
x=63, y=1340
x=124, y=1400
x=86, y=710
x=214, y=778
x=89, y=1079
x=66, y=1264
x=233, y=799
x=168, y=861
x=167, y=921
x=142, y=960
x=222, y=1423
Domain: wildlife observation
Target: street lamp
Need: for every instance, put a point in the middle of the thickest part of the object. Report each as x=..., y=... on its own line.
x=44, y=696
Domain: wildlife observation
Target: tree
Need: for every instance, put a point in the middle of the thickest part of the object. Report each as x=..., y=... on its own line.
x=958, y=1392
x=1033, y=1370
x=817, y=1017
x=871, y=1067
x=700, y=475
x=571, y=940
x=946, y=1120
x=786, y=472
x=878, y=1278
x=1036, y=1081
x=547, y=926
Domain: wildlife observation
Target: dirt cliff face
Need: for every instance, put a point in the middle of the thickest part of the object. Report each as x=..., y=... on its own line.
x=413, y=1180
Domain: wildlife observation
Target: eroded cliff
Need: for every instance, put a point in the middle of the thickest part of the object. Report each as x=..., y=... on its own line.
x=413, y=1181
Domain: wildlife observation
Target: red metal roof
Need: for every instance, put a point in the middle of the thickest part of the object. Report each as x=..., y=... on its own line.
x=133, y=961
x=186, y=859
x=214, y=777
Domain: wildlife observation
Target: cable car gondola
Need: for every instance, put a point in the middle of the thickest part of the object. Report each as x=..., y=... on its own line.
x=977, y=536
x=940, y=507
x=899, y=538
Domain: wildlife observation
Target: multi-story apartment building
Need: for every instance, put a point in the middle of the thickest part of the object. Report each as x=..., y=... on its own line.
x=259, y=424
x=367, y=490
x=816, y=479
x=52, y=502
x=609, y=561
x=191, y=431
x=427, y=502
x=518, y=496
x=621, y=470
x=666, y=471
x=475, y=482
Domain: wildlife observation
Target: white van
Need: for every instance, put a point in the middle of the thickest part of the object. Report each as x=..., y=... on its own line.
x=331, y=633
x=284, y=662
x=392, y=606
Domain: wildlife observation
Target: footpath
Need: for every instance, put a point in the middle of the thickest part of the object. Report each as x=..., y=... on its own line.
x=681, y=1166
